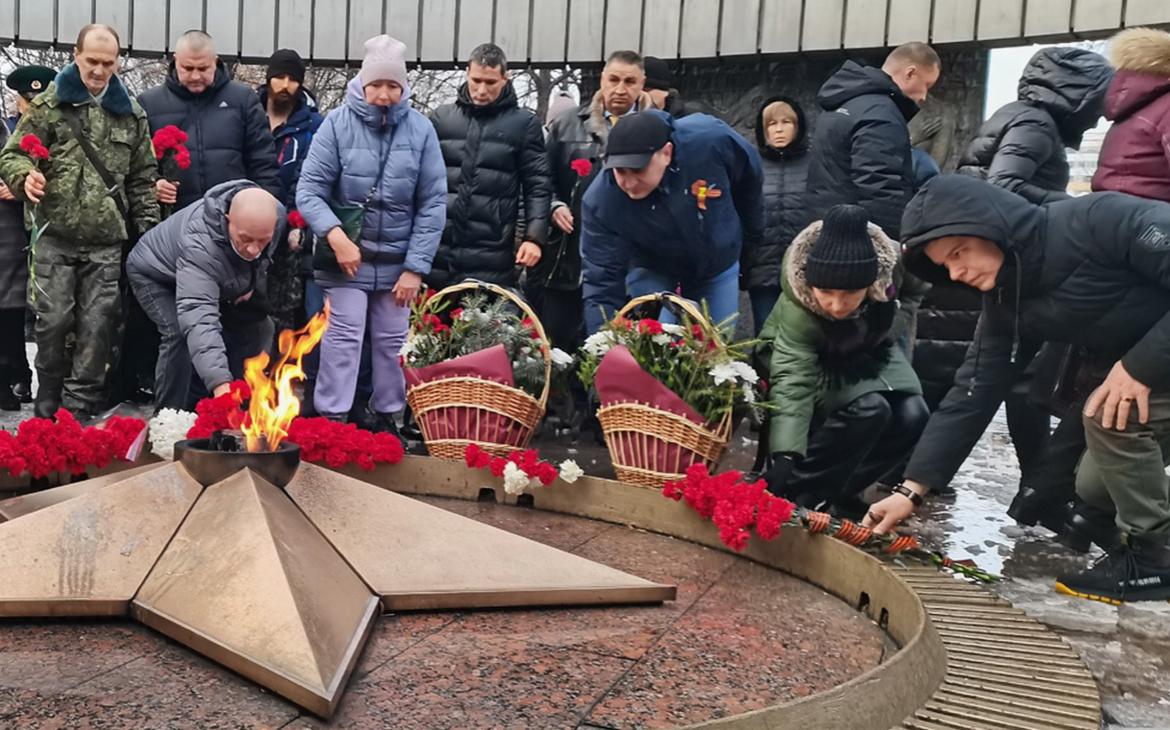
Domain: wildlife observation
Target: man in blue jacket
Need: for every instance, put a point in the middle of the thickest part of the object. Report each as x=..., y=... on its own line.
x=678, y=201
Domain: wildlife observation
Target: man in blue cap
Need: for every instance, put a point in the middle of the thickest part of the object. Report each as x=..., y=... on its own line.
x=676, y=204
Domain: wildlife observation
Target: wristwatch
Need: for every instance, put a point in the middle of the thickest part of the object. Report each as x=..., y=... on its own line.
x=914, y=497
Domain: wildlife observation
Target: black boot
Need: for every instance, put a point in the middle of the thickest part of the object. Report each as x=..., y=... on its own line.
x=1086, y=525
x=1032, y=507
x=23, y=391
x=48, y=400
x=1139, y=571
x=385, y=423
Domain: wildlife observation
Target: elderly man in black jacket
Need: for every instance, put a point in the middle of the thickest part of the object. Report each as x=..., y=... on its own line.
x=494, y=152
x=227, y=129
x=1092, y=271
x=215, y=251
x=861, y=146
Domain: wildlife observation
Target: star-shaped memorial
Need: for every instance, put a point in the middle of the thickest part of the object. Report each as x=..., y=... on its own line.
x=282, y=585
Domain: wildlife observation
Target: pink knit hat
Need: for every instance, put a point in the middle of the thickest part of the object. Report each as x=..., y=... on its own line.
x=385, y=60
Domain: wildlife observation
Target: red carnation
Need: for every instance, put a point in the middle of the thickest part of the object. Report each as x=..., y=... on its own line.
x=33, y=147
x=582, y=167
x=183, y=158
x=650, y=327
x=167, y=138
x=295, y=219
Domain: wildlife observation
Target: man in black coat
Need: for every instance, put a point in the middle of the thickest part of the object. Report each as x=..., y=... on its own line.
x=227, y=130
x=494, y=152
x=861, y=146
x=1094, y=272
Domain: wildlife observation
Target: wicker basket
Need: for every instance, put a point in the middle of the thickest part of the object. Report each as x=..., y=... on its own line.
x=455, y=412
x=649, y=446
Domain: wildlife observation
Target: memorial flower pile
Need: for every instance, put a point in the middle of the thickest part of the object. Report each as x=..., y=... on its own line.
x=522, y=470
x=43, y=446
x=322, y=441
x=440, y=332
x=736, y=507
x=711, y=376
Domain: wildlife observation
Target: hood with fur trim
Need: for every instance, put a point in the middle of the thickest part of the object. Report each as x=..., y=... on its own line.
x=882, y=289
x=1142, y=58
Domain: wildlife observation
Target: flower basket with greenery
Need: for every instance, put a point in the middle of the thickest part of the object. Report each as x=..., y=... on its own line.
x=478, y=369
x=668, y=391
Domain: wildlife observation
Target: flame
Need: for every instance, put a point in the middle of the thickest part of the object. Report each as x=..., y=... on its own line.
x=274, y=404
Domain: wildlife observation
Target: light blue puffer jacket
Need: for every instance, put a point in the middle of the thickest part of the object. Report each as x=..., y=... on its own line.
x=405, y=218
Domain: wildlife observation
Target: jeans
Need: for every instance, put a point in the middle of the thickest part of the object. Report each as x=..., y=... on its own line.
x=720, y=292
x=763, y=302
x=352, y=314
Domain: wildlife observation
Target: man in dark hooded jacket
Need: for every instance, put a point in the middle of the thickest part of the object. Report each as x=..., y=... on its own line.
x=215, y=251
x=861, y=146
x=494, y=152
x=1094, y=272
x=227, y=131
x=1022, y=146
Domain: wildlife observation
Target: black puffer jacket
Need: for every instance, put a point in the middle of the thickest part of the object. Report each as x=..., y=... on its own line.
x=946, y=326
x=1092, y=271
x=494, y=155
x=13, y=245
x=1022, y=146
x=227, y=131
x=785, y=181
x=861, y=147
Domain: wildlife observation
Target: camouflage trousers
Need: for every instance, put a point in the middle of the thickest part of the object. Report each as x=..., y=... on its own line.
x=78, y=307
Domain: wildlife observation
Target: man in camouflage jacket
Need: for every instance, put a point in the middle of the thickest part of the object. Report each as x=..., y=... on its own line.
x=77, y=261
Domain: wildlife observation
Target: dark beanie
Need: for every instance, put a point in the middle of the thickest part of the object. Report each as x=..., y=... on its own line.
x=658, y=74
x=286, y=61
x=843, y=256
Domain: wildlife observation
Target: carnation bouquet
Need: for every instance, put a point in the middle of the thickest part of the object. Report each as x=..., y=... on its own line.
x=478, y=369
x=668, y=390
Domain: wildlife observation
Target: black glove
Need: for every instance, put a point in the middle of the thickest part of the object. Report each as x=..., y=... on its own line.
x=777, y=476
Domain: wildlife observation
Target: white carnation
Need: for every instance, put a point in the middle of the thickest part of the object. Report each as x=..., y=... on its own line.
x=515, y=480
x=168, y=427
x=723, y=373
x=560, y=358
x=745, y=372
x=570, y=472
x=663, y=339
x=408, y=347
x=599, y=343
x=749, y=393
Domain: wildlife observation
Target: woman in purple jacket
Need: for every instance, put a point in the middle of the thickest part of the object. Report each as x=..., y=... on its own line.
x=376, y=152
x=1135, y=157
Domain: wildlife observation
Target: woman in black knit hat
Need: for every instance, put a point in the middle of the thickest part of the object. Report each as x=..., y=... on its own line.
x=848, y=406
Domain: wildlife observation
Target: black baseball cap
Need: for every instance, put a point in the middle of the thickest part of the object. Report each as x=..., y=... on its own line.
x=635, y=139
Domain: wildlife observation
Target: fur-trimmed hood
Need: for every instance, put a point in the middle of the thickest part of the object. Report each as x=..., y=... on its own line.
x=596, y=112
x=1141, y=49
x=882, y=289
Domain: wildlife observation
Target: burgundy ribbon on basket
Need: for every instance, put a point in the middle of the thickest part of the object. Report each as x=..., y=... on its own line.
x=620, y=379
x=461, y=422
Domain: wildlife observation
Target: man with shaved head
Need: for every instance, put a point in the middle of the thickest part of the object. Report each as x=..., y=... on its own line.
x=216, y=251
x=94, y=193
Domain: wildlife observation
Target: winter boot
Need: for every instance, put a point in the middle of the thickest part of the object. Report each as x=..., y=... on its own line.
x=1032, y=507
x=48, y=399
x=1137, y=571
x=1086, y=525
x=385, y=423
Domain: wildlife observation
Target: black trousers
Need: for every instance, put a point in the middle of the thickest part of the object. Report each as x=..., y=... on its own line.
x=562, y=313
x=855, y=446
x=13, y=355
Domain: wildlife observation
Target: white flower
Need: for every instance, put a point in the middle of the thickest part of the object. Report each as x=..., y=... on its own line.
x=723, y=373
x=560, y=358
x=663, y=339
x=408, y=347
x=674, y=329
x=515, y=480
x=749, y=393
x=570, y=472
x=598, y=343
x=168, y=427
x=745, y=372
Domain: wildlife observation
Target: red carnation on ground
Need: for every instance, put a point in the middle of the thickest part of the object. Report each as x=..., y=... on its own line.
x=296, y=220
x=582, y=167
x=32, y=146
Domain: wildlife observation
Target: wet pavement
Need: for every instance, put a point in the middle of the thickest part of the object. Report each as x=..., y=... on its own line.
x=1127, y=648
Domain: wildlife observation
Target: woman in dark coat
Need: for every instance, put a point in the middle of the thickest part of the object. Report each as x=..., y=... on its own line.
x=1022, y=146
x=1135, y=157
x=13, y=283
x=782, y=138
